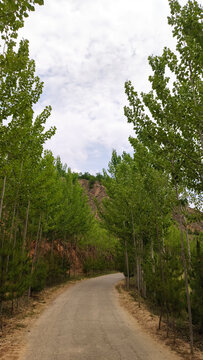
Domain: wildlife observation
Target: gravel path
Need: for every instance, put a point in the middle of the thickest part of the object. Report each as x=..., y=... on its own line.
x=87, y=323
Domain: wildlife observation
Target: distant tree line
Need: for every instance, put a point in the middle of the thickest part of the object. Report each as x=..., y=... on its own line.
x=91, y=178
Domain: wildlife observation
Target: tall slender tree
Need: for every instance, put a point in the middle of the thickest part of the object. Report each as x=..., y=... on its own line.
x=173, y=130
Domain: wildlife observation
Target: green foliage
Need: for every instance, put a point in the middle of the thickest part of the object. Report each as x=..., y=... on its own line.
x=99, y=246
x=169, y=139
x=58, y=268
x=197, y=282
x=15, y=279
x=91, y=178
x=97, y=265
x=39, y=276
x=13, y=14
x=43, y=209
x=171, y=128
x=44, y=212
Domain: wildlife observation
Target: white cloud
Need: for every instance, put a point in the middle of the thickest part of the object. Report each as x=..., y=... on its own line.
x=84, y=52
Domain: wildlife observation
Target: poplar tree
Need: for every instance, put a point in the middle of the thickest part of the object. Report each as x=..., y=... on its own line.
x=21, y=144
x=173, y=130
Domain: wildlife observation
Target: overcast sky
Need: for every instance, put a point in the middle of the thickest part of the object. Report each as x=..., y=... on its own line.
x=84, y=51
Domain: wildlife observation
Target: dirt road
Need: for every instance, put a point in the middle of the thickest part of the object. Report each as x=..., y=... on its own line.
x=87, y=323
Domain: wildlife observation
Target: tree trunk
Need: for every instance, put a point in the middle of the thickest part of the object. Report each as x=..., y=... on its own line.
x=142, y=282
x=11, y=235
x=40, y=242
x=52, y=246
x=152, y=256
x=188, y=241
x=35, y=253
x=2, y=197
x=167, y=324
x=187, y=290
x=25, y=226
x=75, y=246
x=140, y=275
x=185, y=273
x=144, y=286
x=135, y=275
x=163, y=301
x=1, y=311
x=134, y=244
x=174, y=331
x=127, y=267
x=37, y=240
x=188, y=247
x=16, y=228
x=160, y=316
x=12, y=224
x=63, y=256
x=138, y=279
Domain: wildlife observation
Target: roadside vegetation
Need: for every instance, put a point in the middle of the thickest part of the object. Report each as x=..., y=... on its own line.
x=91, y=178
x=149, y=192
x=47, y=229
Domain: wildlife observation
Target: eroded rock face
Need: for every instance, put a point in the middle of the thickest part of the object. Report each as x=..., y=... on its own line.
x=96, y=192
x=192, y=219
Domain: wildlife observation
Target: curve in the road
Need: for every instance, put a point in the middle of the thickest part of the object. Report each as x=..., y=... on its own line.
x=87, y=323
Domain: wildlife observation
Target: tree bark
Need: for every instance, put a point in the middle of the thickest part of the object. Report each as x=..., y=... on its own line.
x=152, y=256
x=188, y=246
x=134, y=244
x=127, y=267
x=52, y=245
x=11, y=235
x=16, y=229
x=163, y=301
x=35, y=253
x=138, y=279
x=25, y=226
x=188, y=241
x=142, y=283
x=2, y=197
x=160, y=317
x=12, y=224
x=185, y=273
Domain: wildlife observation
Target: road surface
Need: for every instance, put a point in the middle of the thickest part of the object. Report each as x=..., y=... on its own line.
x=87, y=323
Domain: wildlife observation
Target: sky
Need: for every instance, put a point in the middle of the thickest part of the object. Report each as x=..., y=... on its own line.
x=84, y=51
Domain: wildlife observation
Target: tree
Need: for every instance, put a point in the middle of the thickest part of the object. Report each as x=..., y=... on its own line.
x=21, y=144
x=12, y=16
x=173, y=130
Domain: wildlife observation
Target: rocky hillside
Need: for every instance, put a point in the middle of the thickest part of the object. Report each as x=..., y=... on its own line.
x=97, y=191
